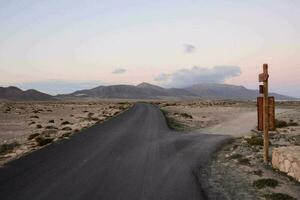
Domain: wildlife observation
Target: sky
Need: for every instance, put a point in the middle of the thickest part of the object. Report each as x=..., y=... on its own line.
x=61, y=46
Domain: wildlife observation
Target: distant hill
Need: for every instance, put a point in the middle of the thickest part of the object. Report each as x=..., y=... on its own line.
x=141, y=91
x=225, y=91
x=149, y=91
x=16, y=94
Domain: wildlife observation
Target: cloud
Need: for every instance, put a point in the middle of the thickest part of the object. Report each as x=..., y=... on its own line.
x=119, y=71
x=195, y=75
x=188, y=48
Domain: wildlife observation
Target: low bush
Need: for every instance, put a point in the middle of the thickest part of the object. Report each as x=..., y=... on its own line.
x=4, y=148
x=30, y=123
x=244, y=161
x=94, y=119
x=279, y=196
x=185, y=115
x=90, y=115
x=173, y=123
x=65, y=123
x=67, y=128
x=32, y=136
x=255, y=141
x=49, y=132
x=280, y=123
x=66, y=134
x=51, y=127
x=34, y=117
x=293, y=123
x=41, y=141
x=235, y=156
x=51, y=121
x=39, y=126
x=268, y=182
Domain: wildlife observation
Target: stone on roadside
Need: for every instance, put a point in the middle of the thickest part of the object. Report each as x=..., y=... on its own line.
x=287, y=159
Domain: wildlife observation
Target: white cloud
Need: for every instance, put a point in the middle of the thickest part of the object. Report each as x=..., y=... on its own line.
x=119, y=71
x=189, y=48
x=187, y=77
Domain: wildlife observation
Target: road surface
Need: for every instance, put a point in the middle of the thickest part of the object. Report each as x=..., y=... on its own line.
x=132, y=156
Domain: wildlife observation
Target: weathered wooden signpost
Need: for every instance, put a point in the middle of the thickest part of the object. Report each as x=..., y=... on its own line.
x=266, y=110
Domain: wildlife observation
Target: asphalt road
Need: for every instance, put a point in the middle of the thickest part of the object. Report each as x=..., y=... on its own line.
x=132, y=156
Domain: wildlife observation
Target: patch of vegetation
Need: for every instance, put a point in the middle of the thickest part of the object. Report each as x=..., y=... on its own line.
x=30, y=123
x=51, y=121
x=49, y=132
x=257, y=172
x=94, y=119
x=292, y=123
x=51, y=127
x=65, y=123
x=173, y=123
x=268, y=182
x=279, y=196
x=39, y=126
x=41, y=141
x=235, y=156
x=123, y=103
x=255, y=141
x=4, y=148
x=32, y=136
x=280, y=123
x=34, y=117
x=244, y=161
x=185, y=115
x=66, y=134
x=67, y=128
x=90, y=115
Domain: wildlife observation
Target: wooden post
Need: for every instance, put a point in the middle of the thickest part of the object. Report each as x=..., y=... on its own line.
x=264, y=78
x=266, y=115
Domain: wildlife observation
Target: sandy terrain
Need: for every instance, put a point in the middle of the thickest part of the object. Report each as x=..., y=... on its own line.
x=29, y=126
x=219, y=117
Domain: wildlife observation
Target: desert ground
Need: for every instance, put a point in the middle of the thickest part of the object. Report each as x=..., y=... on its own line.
x=29, y=126
x=235, y=169
x=216, y=117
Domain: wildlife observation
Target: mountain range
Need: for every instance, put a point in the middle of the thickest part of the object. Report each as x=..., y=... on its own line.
x=16, y=94
x=143, y=91
x=149, y=91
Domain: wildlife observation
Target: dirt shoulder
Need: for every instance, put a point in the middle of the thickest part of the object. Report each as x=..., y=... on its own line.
x=214, y=117
x=29, y=126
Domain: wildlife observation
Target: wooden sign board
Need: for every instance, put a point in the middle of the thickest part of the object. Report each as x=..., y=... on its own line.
x=261, y=89
x=260, y=113
x=263, y=77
